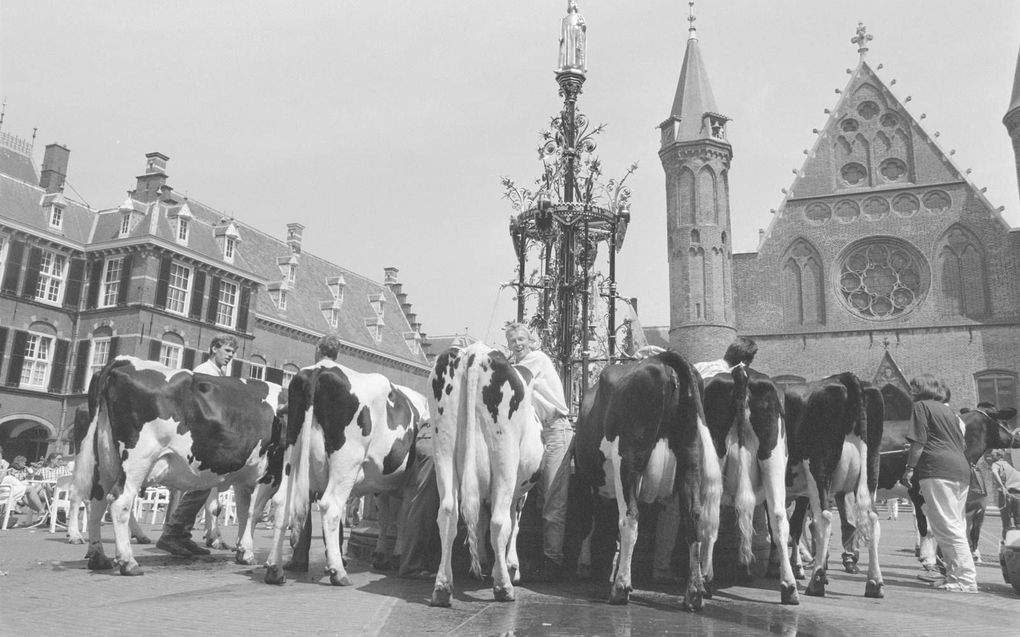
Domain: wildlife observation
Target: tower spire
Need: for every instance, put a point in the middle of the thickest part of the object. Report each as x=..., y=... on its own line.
x=692, y=30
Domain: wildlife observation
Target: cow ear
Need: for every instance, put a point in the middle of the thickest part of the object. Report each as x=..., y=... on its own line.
x=1004, y=414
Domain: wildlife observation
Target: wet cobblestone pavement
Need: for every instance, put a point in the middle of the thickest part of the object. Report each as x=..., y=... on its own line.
x=45, y=587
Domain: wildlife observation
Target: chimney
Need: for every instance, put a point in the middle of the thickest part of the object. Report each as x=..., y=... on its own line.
x=390, y=275
x=294, y=232
x=54, y=168
x=150, y=184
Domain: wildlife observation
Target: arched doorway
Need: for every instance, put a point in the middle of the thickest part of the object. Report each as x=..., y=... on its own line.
x=898, y=407
x=26, y=435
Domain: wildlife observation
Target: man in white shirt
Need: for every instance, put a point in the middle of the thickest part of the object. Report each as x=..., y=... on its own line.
x=176, y=537
x=557, y=436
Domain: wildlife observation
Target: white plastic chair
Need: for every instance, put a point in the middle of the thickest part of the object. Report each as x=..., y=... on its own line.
x=228, y=506
x=7, y=504
x=155, y=497
x=62, y=502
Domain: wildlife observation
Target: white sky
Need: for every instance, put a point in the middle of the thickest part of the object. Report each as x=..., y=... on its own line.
x=385, y=126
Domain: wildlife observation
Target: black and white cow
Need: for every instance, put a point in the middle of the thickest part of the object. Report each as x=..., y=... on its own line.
x=834, y=450
x=183, y=430
x=488, y=450
x=745, y=413
x=641, y=437
x=348, y=434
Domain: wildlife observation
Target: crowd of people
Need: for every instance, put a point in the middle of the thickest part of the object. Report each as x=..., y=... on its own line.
x=31, y=484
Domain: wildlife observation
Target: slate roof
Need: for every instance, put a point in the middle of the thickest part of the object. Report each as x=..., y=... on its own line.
x=17, y=165
x=23, y=203
x=693, y=96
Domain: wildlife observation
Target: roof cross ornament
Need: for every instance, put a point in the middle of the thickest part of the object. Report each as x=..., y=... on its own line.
x=862, y=38
x=690, y=19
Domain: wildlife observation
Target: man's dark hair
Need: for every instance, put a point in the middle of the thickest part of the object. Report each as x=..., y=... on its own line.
x=741, y=350
x=328, y=346
x=223, y=339
x=987, y=406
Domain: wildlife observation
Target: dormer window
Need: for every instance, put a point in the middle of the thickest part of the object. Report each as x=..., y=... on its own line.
x=716, y=125
x=125, y=224
x=376, y=300
x=281, y=300
x=278, y=294
x=336, y=285
x=374, y=327
x=292, y=273
x=183, y=216
x=56, y=217
x=182, y=230
x=229, y=247
x=227, y=238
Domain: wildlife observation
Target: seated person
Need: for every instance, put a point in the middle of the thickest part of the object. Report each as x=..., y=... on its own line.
x=23, y=494
x=1008, y=482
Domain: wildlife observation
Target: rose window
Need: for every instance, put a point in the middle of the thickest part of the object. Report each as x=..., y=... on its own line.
x=882, y=278
x=936, y=201
x=853, y=173
x=868, y=110
x=850, y=126
x=906, y=204
x=890, y=120
x=893, y=169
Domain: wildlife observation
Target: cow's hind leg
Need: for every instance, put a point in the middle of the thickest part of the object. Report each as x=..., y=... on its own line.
x=247, y=518
x=334, y=506
x=628, y=526
x=822, y=533
x=874, y=585
x=447, y=522
x=500, y=531
x=98, y=560
x=773, y=472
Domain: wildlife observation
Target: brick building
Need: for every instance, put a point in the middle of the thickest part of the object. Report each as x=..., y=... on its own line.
x=882, y=258
x=158, y=277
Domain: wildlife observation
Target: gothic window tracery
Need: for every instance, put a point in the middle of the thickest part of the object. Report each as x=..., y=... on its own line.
x=882, y=278
x=962, y=269
x=801, y=281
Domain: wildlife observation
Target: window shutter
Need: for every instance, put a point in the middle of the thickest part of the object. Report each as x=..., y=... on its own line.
x=154, y=347
x=74, y=282
x=214, y=299
x=189, y=358
x=114, y=342
x=274, y=375
x=32, y=273
x=242, y=309
x=59, y=368
x=81, y=366
x=125, y=280
x=3, y=343
x=163, y=283
x=95, y=282
x=196, y=297
x=17, y=358
x=235, y=368
x=13, y=272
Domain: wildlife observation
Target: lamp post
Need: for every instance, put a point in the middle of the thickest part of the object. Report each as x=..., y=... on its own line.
x=559, y=227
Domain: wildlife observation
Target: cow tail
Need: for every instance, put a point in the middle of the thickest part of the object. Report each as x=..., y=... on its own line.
x=744, y=500
x=300, y=484
x=862, y=500
x=470, y=496
x=86, y=463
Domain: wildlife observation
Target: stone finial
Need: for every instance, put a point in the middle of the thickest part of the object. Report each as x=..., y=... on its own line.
x=862, y=38
x=691, y=29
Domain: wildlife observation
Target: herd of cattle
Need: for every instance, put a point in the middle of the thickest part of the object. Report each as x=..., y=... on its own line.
x=650, y=430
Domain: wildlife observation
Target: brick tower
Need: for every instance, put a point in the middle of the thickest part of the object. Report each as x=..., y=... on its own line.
x=696, y=159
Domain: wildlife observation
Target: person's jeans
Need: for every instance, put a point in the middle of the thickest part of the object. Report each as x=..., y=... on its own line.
x=557, y=436
x=418, y=534
x=944, y=502
x=182, y=519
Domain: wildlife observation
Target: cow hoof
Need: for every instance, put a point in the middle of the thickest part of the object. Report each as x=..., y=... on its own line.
x=99, y=562
x=816, y=588
x=294, y=565
x=694, y=602
x=788, y=595
x=75, y=540
x=336, y=580
x=619, y=596
x=503, y=593
x=874, y=589
x=141, y=539
x=274, y=575
x=709, y=588
x=441, y=597
x=245, y=559
x=850, y=564
x=217, y=544
x=798, y=572
x=131, y=569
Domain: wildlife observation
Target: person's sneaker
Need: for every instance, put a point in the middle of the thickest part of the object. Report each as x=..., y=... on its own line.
x=930, y=575
x=954, y=587
x=194, y=548
x=977, y=556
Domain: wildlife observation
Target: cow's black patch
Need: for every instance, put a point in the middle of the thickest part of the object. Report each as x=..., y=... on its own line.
x=525, y=373
x=399, y=410
x=124, y=455
x=191, y=458
x=335, y=406
x=449, y=388
x=286, y=469
x=440, y=410
x=399, y=452
x=503, y=373
x=445, y=366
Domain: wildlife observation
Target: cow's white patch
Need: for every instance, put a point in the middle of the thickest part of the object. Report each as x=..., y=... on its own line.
x=610, y=451
x=659, y=474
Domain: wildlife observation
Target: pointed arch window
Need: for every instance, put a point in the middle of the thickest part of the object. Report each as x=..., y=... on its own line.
x=708, y=212
x=961, y=264
x=801, y=280
x=685, y=197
